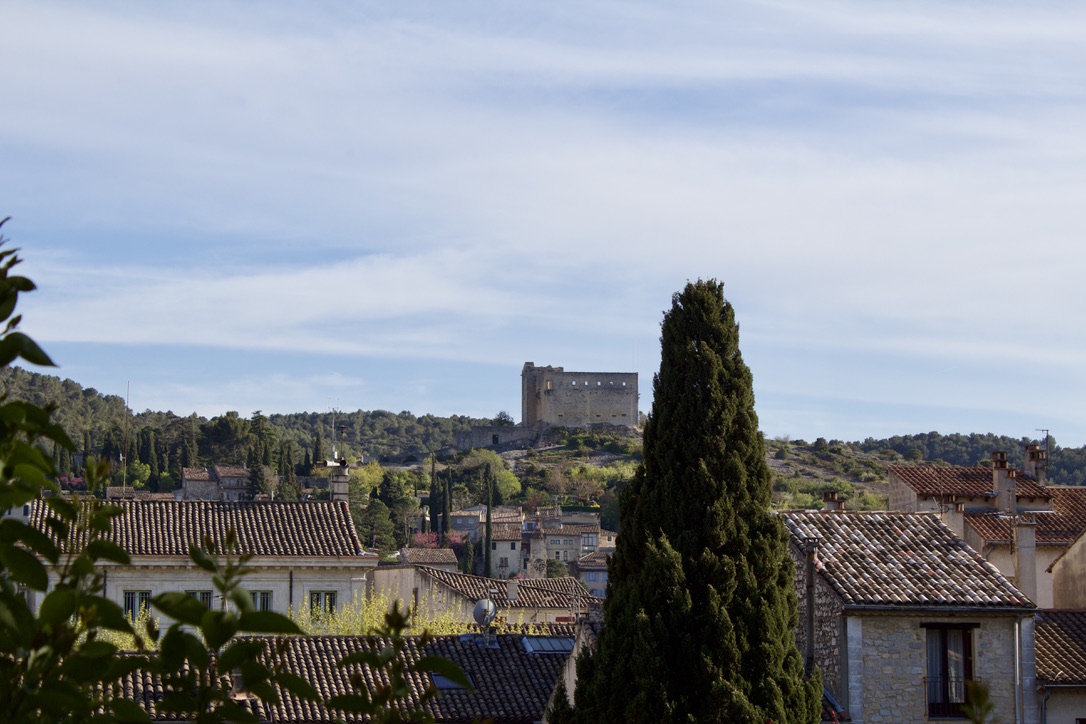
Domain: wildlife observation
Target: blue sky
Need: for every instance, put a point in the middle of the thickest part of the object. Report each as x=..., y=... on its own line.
x=289, y=207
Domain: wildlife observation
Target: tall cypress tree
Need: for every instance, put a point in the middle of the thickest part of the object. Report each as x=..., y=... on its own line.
x=487, y=543
x=446, y=505
x=437, y=490
x=700, y=614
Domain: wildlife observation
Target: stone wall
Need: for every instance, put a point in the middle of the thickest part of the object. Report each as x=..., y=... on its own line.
x=1067, y=575
x=513, y=436
x=551, y=396
x=894, y=666
x=828, y=622
x=902, y=497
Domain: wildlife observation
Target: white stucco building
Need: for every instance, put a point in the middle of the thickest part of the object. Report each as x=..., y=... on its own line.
x=303, y=554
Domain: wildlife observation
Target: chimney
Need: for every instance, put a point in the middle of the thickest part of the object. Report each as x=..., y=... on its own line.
x=1003, y=483
x=339, y=480
x=511, y=590
x=1037, y=463
x=831, y=502
x=1025, y=554
x=954, y=517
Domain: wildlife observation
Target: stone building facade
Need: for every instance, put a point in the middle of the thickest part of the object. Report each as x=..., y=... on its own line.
x=550, y=396
x=905, y=614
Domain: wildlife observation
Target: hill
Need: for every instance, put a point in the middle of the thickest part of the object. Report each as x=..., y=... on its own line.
x=577, y=466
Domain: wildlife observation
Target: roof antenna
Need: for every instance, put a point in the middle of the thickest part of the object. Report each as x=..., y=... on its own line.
x=124, y=451
x=485, y=612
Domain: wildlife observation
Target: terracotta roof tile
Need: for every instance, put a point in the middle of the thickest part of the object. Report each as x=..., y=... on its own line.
x=595, y=559
x=512, y=685
x=964, y=482
x=429, y=556
x=506, y=531
x=1061, y=647
x=167, y=528
x=564, y=592
x=901, y=559
x=1060, y=526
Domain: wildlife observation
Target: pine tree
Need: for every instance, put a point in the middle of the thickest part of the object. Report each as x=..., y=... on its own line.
x=700, y=614
x=258, y=478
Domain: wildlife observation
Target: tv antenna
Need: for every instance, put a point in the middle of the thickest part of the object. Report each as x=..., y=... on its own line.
x=484, y=614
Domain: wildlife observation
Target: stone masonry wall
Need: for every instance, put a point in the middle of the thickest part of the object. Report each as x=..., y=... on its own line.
x=828, y=608
x=895, y=665
x=552, y=396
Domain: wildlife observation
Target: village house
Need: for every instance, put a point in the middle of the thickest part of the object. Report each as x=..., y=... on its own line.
x=505, y=544
x=471, y=521
x=441, y=558
x=1011, y=517
x=1061, y=666
x=900, y=614
x=303, y=554
x=434, y=592
x=220, y=482
x=591, y=570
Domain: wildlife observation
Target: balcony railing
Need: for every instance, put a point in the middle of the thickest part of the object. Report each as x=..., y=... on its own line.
x=946, y=697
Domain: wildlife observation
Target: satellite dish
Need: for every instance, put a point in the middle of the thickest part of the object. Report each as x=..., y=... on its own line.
x=485, y=611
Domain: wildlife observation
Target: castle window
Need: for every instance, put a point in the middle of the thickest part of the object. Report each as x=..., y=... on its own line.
x=574, y=383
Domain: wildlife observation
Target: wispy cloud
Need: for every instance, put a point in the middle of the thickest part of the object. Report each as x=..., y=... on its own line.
x=431, y=182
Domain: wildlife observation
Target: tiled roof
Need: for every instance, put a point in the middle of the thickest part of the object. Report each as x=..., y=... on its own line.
x=506, y=531
x=1060, y=526
x=595, y=559
x=512, y=686
x=231, y=471
x=564, y=592
x=935, y=480
x=503, y=513
x=572, y=529
x=901, y=559
x=429, y=556
x=167, y=528
x=196, y=473
x=1061, y=647
x=115, y=492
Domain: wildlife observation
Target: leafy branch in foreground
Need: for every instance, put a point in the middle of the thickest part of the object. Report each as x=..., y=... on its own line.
x=386, y=652
x=60, y=661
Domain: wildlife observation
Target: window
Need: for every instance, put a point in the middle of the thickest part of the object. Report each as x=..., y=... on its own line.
x=558, y=555
x=494, y=545
x=593, y=576
x=565, y=555
x=322, y=601
x=443, y=684
x=512, y=545
x=203, y=597
x=547, y=644
x=950, y=666
x=503, y=563
x=262, y=600
x=134, y=601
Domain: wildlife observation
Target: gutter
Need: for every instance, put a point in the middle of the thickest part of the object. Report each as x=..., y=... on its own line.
x=935, y=609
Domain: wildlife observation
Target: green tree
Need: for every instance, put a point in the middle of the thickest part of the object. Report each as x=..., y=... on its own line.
x=489, y=539
x=556, y=569
x=700, y=610
x=375, y=526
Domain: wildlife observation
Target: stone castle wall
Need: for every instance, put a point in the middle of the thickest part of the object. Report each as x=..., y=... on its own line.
x=553, y=397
